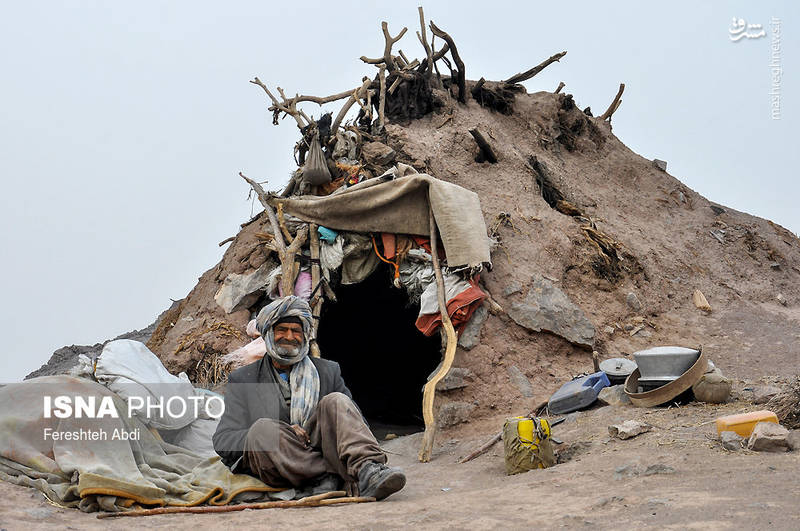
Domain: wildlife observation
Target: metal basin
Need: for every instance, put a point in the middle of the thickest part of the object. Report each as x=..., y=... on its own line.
x=664, y=364
x=666, y=392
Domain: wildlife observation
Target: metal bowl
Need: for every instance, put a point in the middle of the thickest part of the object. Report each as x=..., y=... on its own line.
x=665, y=363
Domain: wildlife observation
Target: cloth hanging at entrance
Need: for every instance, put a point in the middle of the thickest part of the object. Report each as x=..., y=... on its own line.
x=463, y=298
x=401, y=206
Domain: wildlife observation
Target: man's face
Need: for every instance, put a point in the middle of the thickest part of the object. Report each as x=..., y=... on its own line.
x=288, y=335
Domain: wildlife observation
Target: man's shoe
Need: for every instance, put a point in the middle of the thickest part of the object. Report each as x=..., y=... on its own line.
x=378, y=481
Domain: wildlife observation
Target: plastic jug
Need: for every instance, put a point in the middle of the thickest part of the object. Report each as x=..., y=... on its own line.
x=578, y=393
x=744, y=423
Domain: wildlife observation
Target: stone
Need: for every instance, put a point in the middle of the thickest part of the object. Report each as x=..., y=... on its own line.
x=628, y=429
x=658, y=469
x=454, y=379
x=731, y=440
x=626, y=471
x=769, y=437
x=609, y=330
x=775, y=266
x=614, y=396
x=717, y=210
x=781, y=299
x=471, y=335
x=240, y=291
x=453, y=413
x=633, y=302
x=794, y=440
x=700, y=301
x=377, y=153
x=660, y=164
x=763, y=393
x=512, y=288
x=521, y=381
x=547, y=308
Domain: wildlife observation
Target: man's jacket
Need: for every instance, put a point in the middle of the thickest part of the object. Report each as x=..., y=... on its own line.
x=246, y=402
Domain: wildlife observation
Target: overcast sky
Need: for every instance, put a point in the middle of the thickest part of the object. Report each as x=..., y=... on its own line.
x=124, y=125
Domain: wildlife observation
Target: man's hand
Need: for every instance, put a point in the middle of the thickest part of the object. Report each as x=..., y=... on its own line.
x=301, y=434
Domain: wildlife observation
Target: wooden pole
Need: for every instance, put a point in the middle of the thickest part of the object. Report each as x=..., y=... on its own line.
x=318, y=299
x=328, y=498
x=450, y=341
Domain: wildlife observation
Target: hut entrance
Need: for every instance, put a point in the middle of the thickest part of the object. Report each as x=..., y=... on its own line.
x=385, y=360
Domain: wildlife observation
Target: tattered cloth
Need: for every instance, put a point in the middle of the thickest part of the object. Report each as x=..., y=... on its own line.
x=401, y=206
x=110, y=474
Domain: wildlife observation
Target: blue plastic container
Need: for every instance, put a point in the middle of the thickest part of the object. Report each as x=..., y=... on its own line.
x=578, y=393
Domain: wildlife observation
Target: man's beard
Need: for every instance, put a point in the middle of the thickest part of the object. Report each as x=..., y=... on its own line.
x=287, y=350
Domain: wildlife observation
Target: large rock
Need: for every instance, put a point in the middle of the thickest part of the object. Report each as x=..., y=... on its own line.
x=453, y=413
x=377, y=153
x=547, y=308
x=471, y=335
x=241, y=291
x=454, y=379
x=769, y=437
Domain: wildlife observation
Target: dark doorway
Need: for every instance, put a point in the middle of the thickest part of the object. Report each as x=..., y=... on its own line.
x=385, y=360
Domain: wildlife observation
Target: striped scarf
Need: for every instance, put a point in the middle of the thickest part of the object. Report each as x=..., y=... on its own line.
x=303, y=377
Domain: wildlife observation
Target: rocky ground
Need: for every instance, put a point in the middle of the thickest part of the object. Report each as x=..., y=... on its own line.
x=677, y=476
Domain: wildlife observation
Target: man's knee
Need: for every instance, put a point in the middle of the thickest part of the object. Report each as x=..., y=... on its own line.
x=263, y=435
x=332, y=399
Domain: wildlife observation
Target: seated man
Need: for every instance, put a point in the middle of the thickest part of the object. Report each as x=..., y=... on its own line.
x=290, y=420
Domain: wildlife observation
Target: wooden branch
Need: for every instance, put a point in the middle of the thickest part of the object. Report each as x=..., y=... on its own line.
x=449, y=339
x=285, y=254
x=423, y=38
x=354, y=96
x=483, y=448
x=387, y=58
x=276, y=105
x=382, y=100
x=523, y=76
x=328, y=498
x=403, y=57
x=476, y=90
x=462, y=79
x=614, y=104
x=560, y=86
x=483, y=144
x=282, y=223
x=227, y=240
x=289, y=105
x=397, y=81
x=317, y=300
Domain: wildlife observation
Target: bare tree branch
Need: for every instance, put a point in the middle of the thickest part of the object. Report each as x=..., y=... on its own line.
x=387, y=58
x=560, y=86
x=518, y=78
x=614, y=104
x=355, y=95
x=462, y=79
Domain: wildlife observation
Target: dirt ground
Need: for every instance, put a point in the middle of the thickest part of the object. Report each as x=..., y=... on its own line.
x=674, y=477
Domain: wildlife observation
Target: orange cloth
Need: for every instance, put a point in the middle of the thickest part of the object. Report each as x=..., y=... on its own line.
x=460, y=308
